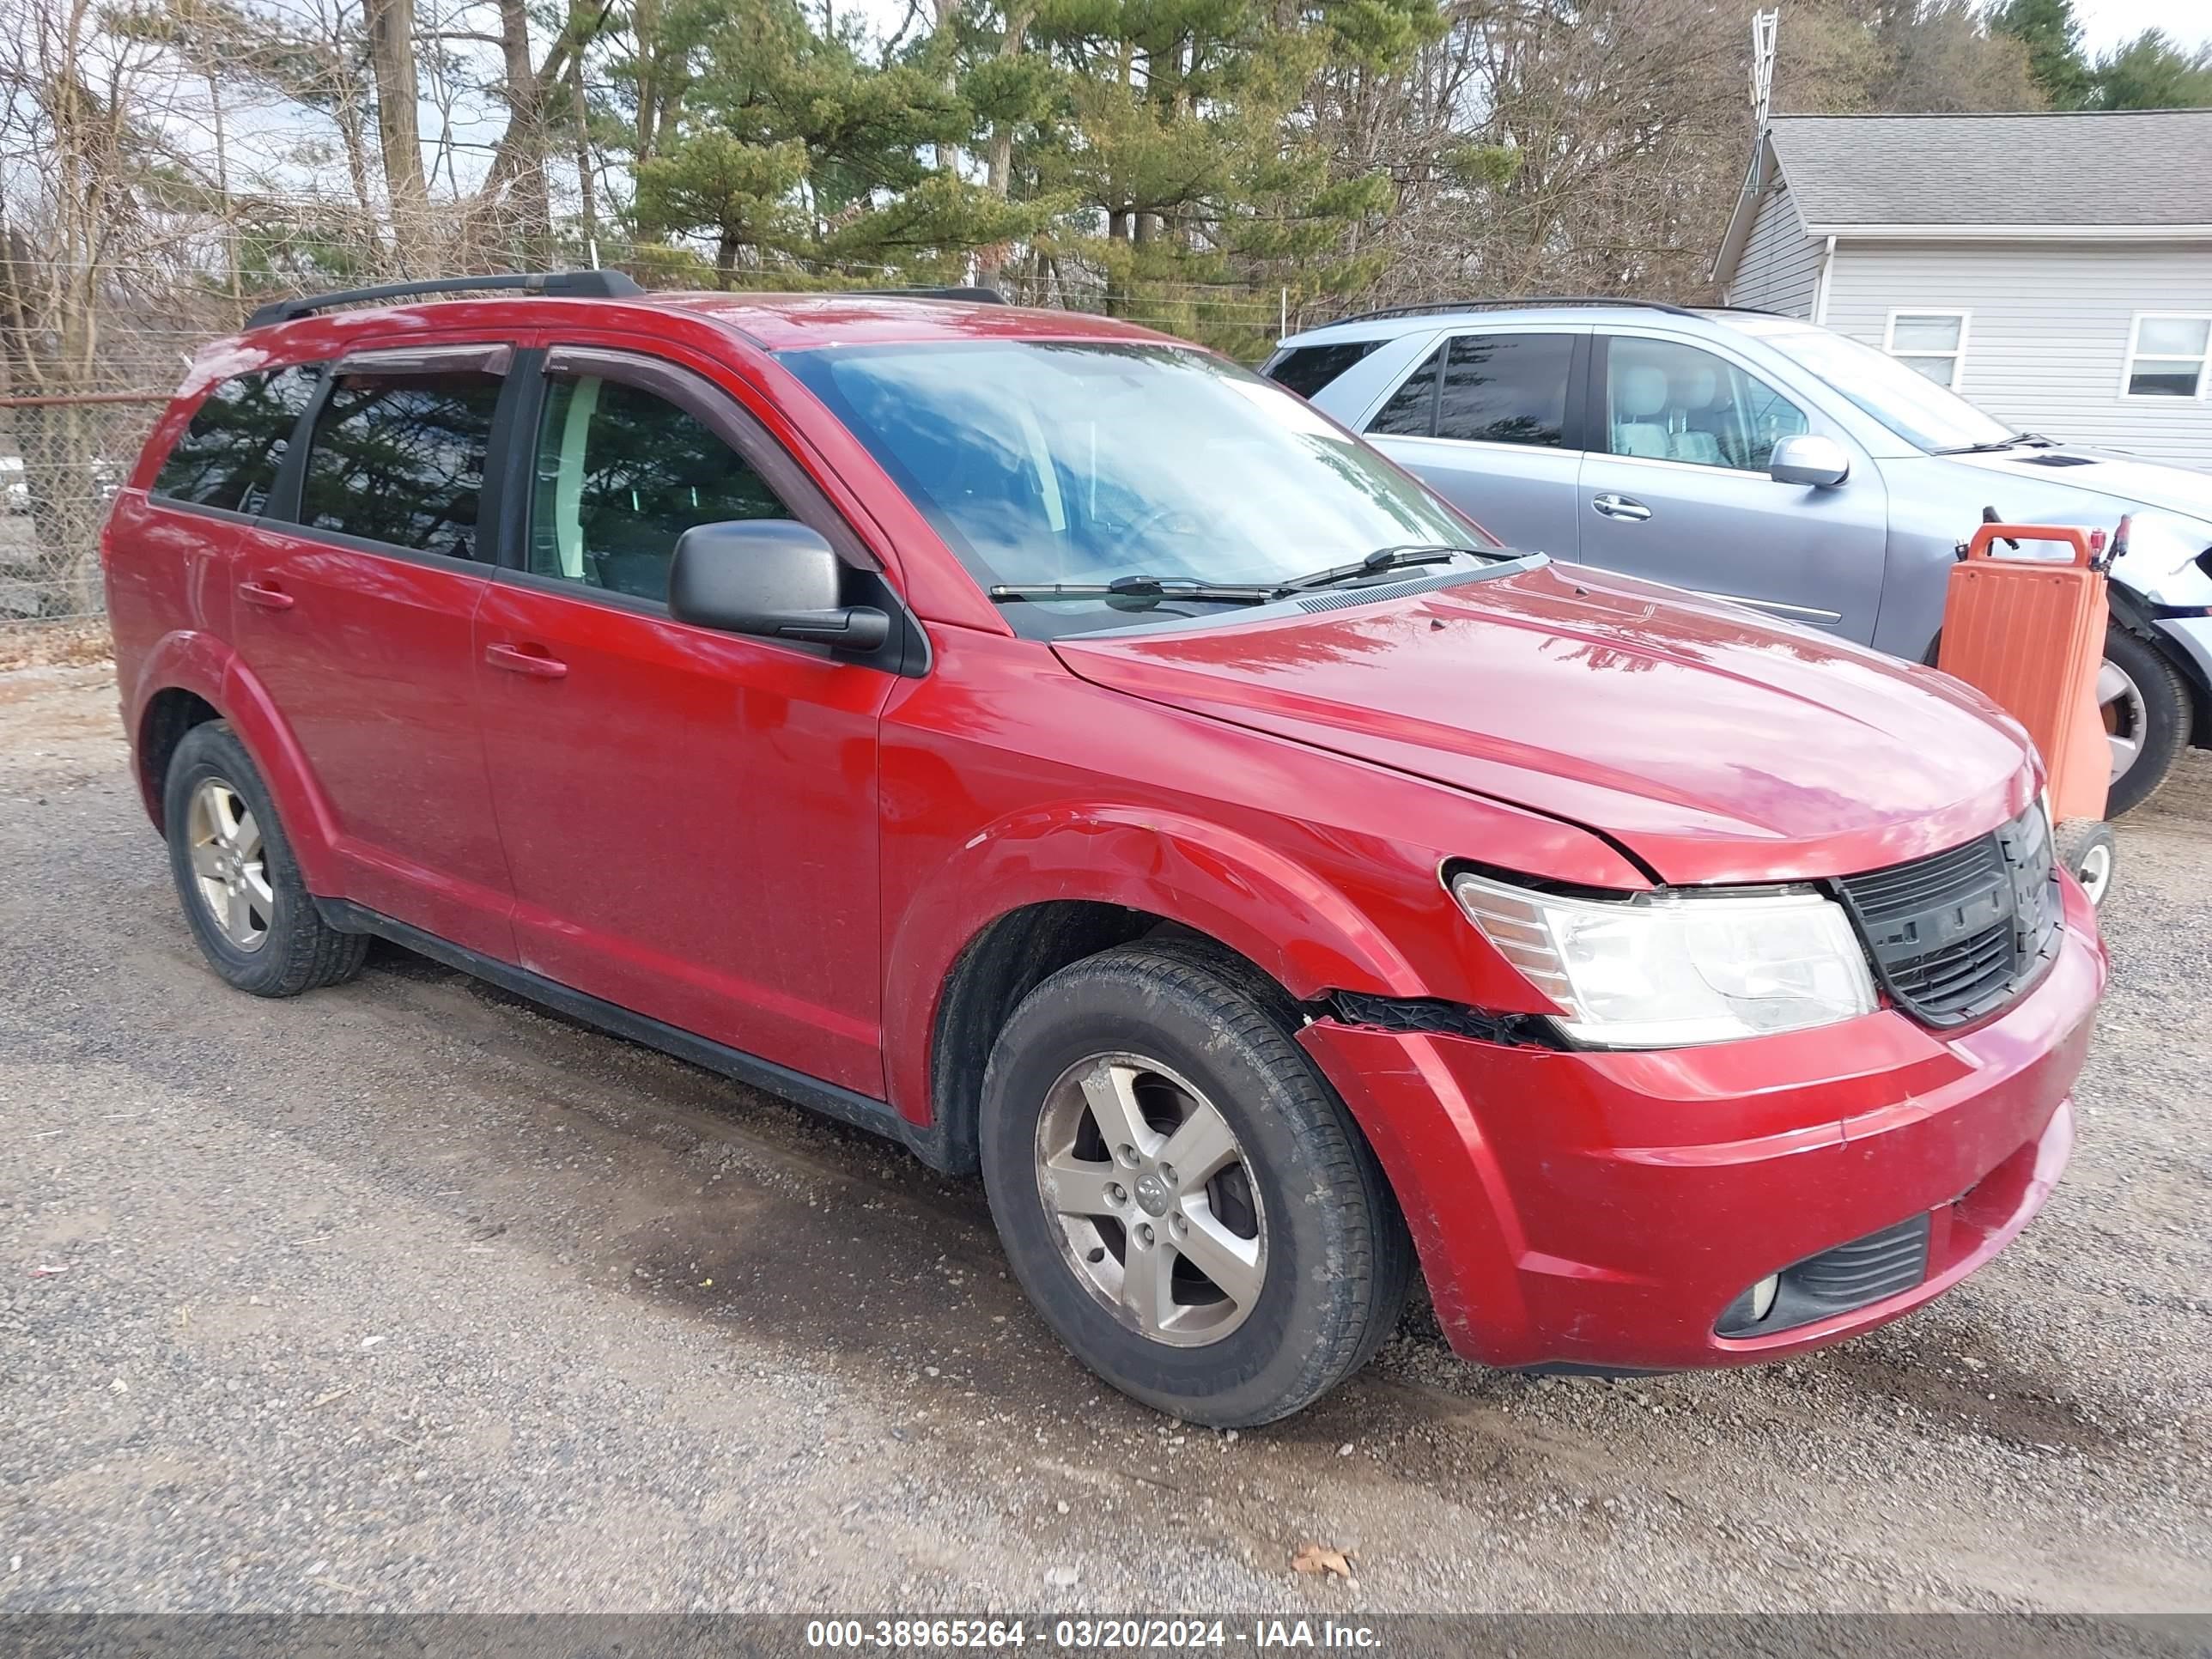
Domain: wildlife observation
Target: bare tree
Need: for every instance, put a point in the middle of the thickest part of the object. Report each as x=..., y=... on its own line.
x=97, y=211
x=525, y=98
x=391, y=28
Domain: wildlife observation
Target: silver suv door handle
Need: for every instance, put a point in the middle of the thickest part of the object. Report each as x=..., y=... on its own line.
x=1621, y=507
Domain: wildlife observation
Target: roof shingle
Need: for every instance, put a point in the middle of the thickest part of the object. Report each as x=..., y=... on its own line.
x=2144, y=167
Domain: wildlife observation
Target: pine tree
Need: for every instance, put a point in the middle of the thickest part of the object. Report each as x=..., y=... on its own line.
x=1173, y=144
x=2053, y=39
x=2151, y=72
x=802, y=162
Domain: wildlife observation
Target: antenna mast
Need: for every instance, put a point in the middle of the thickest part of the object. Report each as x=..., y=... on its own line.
x=1763, y=26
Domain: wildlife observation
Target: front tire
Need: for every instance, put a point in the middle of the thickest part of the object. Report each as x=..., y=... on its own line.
x=1181, y=1193
x=2144, y=704
x=251, y=915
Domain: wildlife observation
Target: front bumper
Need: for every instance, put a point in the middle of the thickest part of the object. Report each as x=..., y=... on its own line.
x=1606, y=1209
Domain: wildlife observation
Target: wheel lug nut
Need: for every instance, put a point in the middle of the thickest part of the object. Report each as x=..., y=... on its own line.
x=1177, y=1226
x=1145, y=1235
x=1116, y=1193
x=1126, y=1155
x=1168, y=1174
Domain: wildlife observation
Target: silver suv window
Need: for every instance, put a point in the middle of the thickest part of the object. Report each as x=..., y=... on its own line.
x=1307, y=369
x=1411, y=411
x=1485, y=388
x=1671, y=402
x=1933, y=417
x=1505, y=389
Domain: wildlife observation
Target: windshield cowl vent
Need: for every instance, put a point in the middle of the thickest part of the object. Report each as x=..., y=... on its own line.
x=1338, y=599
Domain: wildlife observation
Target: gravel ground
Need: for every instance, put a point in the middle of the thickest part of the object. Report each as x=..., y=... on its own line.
x=406, y=1296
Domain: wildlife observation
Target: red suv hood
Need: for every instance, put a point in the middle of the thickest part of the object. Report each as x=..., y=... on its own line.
x=1713, y=745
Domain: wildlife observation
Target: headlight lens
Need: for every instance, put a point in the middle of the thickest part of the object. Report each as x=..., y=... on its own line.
x=2164, y=560
x=1676, y=969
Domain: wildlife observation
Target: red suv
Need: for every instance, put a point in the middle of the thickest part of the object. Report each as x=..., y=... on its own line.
x=1055, y=748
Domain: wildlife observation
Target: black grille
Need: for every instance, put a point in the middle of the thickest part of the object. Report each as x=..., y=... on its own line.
x=1850, y=1276
x=1905, y=889
x=1867, y=1269
x=1958, y=934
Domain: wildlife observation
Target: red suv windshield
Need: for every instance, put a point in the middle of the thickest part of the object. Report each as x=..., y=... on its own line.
x=1043, y=462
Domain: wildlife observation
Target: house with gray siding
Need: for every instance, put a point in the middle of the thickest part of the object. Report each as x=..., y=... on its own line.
x=2054, y=269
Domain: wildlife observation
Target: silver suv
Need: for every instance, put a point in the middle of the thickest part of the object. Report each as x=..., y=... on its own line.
x=1758, y=458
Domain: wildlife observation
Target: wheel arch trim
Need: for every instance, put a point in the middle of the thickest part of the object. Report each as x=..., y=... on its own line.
x=208, y=668
x=1177, y=868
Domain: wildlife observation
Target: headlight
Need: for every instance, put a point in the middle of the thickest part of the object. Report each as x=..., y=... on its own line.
x=2164, y=560
x=1670, y=969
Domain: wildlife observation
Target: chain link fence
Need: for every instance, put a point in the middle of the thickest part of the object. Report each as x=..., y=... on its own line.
x=62, y=458
x=90, y=355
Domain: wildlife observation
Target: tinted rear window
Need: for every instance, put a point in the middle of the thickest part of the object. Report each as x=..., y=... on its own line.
x=399, y=459
x=1306, y=369
x=1506, y=388
x=229, y=454
x=1411, y=410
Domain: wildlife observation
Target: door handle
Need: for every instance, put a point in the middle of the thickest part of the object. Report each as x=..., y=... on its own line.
x=518, y=660
x=268, y=598
x=1621, y=507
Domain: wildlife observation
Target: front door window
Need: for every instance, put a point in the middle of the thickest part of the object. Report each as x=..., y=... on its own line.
x=1670, y=402
x=622, y=473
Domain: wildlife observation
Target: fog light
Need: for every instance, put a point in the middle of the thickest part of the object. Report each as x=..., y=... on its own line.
x=1762, y=1297
x=1744, y=1315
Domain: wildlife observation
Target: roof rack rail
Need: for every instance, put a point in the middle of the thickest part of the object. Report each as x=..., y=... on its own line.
x=1504, y=304
x=568, y=284
x=980, y=297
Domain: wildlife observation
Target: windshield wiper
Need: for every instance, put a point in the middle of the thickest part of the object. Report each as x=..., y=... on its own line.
x=1383, y=559
x=1995, y=444
x=1151, y=590
x=1146, y=590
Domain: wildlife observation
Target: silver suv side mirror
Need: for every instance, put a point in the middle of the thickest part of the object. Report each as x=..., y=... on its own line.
x=1809, y=458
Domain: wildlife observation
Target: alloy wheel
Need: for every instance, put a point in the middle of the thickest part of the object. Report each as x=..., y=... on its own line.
x=2120, y=706
x=229, y=865
x=1154, y=1207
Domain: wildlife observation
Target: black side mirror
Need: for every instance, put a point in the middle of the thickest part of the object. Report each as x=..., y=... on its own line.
x=771, y=577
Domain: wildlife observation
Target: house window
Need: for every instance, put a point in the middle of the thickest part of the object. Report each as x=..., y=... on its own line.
x=1932, y=342
x=2166, y=356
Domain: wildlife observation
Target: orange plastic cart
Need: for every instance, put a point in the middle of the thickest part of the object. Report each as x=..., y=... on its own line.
x=2030, y=634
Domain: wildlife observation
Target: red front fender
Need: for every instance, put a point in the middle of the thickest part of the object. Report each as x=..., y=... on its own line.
x=1183, y=869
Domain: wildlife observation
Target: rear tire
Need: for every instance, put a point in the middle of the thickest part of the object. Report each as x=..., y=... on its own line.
x=1232, y=1291
x=2143, y=701
x=252, y=915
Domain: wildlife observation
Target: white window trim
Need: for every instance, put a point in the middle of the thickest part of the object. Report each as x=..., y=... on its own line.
x=2134, y=338
x=1957, y=357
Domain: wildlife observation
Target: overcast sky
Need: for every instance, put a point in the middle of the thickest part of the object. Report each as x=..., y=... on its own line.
x=2106, y=23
